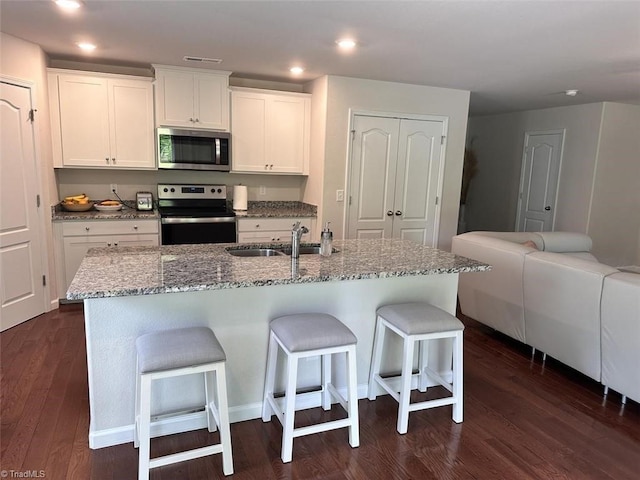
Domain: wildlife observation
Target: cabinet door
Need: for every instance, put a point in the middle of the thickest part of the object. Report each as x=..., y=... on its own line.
x=75, y=248
x=211, y=102
x=287, y=134
x=175, y=99
x=131, y=122
x=248, y=141
x=84, y=121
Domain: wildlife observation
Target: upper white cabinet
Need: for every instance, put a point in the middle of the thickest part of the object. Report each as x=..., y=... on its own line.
x=101, y=120
x=270, y=131
x=191, y=98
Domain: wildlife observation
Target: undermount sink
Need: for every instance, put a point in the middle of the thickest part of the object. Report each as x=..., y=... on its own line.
x=254, y=252
x=273, y=252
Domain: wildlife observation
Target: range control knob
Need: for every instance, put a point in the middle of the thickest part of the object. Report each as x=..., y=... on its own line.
x=165, y=189
x=173, y=190
x=219, y=190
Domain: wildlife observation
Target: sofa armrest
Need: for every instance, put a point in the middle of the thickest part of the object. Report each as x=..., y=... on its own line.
x=495, y=297
x=562, y=308
x=621, y=334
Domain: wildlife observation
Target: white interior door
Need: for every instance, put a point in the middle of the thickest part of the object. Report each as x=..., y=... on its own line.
x=374, y=160
x=395, y=178
x=418, y=178
x=541, y=161
x=22, y=292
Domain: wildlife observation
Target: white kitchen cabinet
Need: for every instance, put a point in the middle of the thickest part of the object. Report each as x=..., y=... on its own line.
x=191, y=98
x=267, y=230
x=270, y=131
x=75, y=238
x=101, y=120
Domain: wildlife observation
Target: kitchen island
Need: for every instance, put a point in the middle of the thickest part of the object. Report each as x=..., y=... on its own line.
x=135, y=290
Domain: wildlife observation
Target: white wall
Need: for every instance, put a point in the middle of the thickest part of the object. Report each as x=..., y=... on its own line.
x=347, y=94
x=498, y=141
x=599, y=187
x=614, y=224
x=21, y=60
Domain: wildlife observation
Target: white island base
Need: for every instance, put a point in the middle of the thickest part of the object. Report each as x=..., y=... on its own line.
x=240, y=319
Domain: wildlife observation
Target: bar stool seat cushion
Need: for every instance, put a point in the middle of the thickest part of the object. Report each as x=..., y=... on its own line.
x=311, y=331
x=177, y=348
x=417, y=318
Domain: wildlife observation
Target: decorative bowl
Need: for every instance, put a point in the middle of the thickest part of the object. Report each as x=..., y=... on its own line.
x=108, y=208
x=77, y=207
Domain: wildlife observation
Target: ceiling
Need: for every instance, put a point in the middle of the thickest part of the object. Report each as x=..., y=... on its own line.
x=512, y=55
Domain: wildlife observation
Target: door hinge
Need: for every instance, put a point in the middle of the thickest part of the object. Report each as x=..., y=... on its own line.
x=44, y=280
x=353, y=134
x=38, y=201
x=442, y=140
x=349, y=199
x=437, y=200
x=32, y=115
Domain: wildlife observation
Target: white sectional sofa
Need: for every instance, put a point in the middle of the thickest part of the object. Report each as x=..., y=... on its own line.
x=546, y=290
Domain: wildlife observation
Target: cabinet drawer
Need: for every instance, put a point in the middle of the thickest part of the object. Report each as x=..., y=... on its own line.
x=266, y=236
x=257, y=224
x=109, y=227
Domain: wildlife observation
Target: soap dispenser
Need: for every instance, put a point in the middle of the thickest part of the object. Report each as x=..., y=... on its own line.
x=326, y=240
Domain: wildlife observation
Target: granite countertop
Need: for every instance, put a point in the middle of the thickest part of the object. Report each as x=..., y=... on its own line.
x=129, y=271
x=278, y=209
x=128, y=212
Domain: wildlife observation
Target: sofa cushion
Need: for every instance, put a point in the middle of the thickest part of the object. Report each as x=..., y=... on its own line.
x=565, y=242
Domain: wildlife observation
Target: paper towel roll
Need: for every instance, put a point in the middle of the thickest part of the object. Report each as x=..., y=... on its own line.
x=239, y=197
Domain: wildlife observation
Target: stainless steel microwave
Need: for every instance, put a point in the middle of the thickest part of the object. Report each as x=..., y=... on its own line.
x=194, y=149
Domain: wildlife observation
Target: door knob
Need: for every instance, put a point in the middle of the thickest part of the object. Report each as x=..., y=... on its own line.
x=547, y=208
x=398, y=212
x=389, y=212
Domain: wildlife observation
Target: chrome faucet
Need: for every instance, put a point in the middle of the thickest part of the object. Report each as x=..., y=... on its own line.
x=296, y=236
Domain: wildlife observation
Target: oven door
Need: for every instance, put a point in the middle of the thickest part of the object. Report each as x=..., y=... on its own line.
x=179, y=230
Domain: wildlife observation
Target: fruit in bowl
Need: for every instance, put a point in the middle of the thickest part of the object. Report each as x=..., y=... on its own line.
x=77, y=203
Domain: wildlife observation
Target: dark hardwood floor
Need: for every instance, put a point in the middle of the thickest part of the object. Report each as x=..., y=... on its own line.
x=522, y=420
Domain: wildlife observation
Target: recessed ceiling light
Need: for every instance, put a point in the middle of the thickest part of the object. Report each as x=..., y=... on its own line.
x=346, y=43
x=87, y=47
x=571, y=93
x=296, y=70
x=68, y=4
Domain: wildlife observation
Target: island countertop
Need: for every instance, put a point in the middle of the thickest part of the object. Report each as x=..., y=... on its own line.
x=128, y=271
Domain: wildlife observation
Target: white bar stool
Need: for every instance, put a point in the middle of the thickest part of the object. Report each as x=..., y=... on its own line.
x=417, y=322
x=308, y=335
x=173, y=353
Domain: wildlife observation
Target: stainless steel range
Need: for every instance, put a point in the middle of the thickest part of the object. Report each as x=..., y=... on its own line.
x=195, y=214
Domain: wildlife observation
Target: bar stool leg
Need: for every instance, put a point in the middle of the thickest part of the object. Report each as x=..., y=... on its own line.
x=405, y=385
x=223, y=417
x=209, y=380
x=272, y=357
x=423, y=361
x=378, y=342
x=352, y=395
x=457, y=377
x=290, y=408
x=145, y=426
x=136, y=423
x=326, y=380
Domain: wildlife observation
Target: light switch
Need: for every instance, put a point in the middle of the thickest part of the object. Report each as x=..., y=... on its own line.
x=339, y=195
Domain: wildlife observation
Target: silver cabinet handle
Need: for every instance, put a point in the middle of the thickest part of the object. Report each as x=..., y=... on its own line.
x=389, y=213
x=547, y=208
x=87, y=228
x=115, y=244
x=197, y=120
x=108, y=244
x=135, y=227
x=257, y=225
x=271, y=167
x=266, y=167
x=191, y=120
x=398, y=212
x=113, y=160
x=107, y=160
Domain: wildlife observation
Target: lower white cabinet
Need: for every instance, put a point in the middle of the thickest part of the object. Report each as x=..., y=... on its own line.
x=75, y=238
x=266, y=230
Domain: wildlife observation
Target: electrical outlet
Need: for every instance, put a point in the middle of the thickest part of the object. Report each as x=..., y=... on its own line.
x=113, y=188
x=263, y=190
x=339, y=195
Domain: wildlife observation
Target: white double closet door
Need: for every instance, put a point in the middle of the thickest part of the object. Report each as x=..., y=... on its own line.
x=395, y=179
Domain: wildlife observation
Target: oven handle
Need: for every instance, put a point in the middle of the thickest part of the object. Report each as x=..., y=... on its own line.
x=171, y=220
